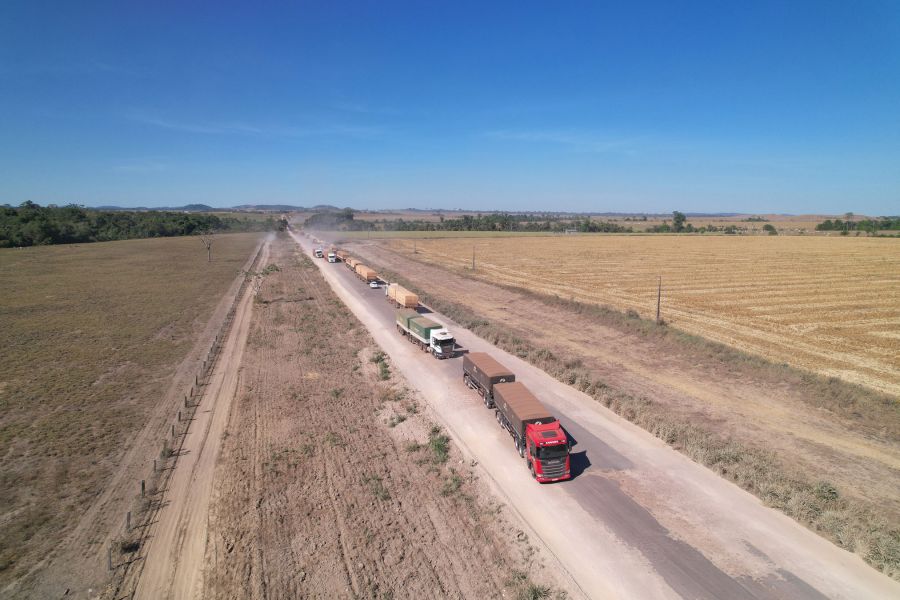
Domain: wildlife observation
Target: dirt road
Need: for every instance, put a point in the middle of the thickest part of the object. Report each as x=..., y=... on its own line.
x=173, y=563
x=639, y=520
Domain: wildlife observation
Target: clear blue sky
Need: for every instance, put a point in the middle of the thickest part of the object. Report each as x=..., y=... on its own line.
x=788, y=106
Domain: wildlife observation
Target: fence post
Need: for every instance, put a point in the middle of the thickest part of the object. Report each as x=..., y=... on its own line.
x=128, y=521
x=109, y=557
x=173, y=431
x=144, y=485
x=154, y=465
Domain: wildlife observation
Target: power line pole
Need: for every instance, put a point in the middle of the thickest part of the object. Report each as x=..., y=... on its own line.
x=473, y=257
x=658, y=296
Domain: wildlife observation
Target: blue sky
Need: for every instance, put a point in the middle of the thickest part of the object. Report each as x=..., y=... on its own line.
x=645, y=106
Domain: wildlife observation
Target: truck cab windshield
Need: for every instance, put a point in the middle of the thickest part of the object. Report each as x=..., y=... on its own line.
x=547, y=452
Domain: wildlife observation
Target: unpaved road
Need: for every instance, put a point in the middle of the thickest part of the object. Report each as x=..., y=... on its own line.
x=639, y=520
x=174, y=558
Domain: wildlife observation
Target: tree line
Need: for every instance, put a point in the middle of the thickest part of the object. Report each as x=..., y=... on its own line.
x=868, y=225
x=344, y=220
x=30, y=224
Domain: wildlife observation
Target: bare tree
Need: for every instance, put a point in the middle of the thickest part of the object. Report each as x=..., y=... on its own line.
x=207, y=238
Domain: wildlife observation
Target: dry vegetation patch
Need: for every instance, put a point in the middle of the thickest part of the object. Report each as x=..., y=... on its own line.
x=334, y=481
x=90, y=336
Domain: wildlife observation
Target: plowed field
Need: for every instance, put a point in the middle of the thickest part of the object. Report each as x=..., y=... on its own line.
x=829, y=305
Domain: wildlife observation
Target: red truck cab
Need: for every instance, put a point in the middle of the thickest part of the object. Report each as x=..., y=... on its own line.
x=547, y=452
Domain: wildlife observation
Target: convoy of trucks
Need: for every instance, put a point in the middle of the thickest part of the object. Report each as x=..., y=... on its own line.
x=537, y=435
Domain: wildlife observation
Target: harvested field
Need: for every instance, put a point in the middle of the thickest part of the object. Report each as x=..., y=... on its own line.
x=828, y=305
x=91, y=338
x=333, y=481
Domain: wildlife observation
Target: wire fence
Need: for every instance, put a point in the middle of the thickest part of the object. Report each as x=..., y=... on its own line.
x=126, y=549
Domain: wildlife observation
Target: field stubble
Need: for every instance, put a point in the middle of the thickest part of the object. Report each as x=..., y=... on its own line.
x=831, y=306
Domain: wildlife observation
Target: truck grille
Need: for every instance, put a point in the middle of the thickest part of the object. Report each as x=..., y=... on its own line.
x=553, y=468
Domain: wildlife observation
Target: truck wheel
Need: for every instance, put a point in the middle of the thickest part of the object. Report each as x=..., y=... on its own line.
x=487, y=399
x=497, y=415
x=466, y=380
x=531, y=469
x=520, y=448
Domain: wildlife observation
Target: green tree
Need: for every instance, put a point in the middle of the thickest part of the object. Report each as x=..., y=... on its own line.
x=678, y=221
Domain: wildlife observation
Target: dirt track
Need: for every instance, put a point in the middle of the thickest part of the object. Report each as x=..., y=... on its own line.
x=173, y=560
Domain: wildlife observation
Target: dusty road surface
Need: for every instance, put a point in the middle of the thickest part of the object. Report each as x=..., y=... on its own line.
x=173, y=559
x=639, y=520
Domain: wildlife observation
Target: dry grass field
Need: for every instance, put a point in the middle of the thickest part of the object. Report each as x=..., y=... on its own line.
x=829, y=305
x=90, y=337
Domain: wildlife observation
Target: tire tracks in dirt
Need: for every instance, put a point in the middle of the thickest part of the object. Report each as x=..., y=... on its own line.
x=176, y=550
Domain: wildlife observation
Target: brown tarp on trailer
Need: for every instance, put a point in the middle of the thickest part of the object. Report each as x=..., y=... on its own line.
x=520, y=406
x=486, y=363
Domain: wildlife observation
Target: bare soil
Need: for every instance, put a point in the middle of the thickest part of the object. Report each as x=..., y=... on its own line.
x=855, y=447
x=333, y=480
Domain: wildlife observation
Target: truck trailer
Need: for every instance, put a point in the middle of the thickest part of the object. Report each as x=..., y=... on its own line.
x=481, y=372
x=428, y=335
x=365, y=273
x=400, y=296
x=537, y=434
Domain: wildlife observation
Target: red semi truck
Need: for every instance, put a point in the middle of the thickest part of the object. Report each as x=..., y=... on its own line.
x=538, y=436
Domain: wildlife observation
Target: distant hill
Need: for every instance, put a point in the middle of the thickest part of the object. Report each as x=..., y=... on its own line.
x=269, y=207
x=185, y=208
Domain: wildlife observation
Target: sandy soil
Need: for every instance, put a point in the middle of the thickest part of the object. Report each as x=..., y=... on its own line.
x=862, y=459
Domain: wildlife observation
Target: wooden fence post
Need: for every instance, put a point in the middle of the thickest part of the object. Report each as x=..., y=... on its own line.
x=144, y=485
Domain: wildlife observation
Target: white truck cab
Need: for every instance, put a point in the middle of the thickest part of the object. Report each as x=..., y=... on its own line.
x=442, y=343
